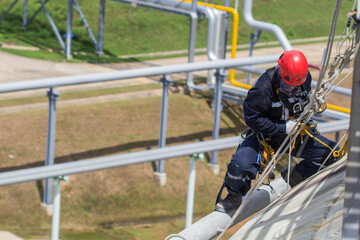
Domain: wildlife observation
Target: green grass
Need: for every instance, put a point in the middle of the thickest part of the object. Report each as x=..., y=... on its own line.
x=130, y=30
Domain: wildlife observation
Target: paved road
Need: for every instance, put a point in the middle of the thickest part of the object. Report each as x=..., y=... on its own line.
x=5, y=235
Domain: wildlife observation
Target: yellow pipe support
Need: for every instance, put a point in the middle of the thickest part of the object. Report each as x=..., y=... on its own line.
x=338, y=108
x=235, y=14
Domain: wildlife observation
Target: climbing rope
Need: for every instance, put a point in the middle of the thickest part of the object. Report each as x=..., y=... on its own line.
x=318, y=99
x=345, y=49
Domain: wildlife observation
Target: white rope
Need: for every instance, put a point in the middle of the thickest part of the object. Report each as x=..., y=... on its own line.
x=289, y=165
x=345, y=49
x=330, y=89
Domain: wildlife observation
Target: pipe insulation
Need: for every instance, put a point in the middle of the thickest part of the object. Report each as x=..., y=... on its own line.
x=211, y=225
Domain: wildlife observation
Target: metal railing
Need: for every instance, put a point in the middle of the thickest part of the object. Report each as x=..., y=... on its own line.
x=53, y=83
x=51, y=170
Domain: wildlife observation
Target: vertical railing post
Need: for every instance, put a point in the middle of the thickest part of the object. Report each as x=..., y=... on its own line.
x=69, y=29
x=53, y=95
x=160, y=175
x=254, y=38
x=192, y=38
x=220, y=76
x=191, y=189
x=225, y=36
x=100, y=42
x=55, y=226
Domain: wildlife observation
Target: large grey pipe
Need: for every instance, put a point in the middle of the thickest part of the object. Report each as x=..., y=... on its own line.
x=269, y=27
x=212, y=225
x=211, y=14
x=205, y=11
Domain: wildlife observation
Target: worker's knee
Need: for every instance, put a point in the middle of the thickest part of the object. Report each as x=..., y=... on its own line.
x=239, y=175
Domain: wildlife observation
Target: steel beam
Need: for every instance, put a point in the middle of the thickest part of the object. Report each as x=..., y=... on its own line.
x=69, y=28
x=53, y=26
x=100, y=42
x=8, y=10
x=25, y=13
x=50, y=146
x=166, y=81
x=217, y=107
x=36, y=13
x=351, y=216
x=83, y=19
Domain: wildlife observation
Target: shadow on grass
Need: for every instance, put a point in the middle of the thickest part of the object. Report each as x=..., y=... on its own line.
x=148, y=144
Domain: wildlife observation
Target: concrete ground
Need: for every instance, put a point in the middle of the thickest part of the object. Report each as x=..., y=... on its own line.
x=5, y=235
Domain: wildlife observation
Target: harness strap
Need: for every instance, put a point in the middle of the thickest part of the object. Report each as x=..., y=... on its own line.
x=336, y=154
x=341, y=152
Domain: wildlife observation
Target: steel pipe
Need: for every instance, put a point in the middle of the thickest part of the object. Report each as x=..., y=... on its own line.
x=133, y=73
x=269, y=27
x=119, y=160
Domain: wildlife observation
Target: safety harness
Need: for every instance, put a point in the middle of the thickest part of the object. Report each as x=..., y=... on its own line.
x=266, y=152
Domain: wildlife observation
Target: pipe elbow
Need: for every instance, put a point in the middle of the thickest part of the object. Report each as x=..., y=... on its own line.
x=269, y=27
x=193, y=15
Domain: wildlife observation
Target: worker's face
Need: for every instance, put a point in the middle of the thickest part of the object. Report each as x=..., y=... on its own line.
x=289, y=90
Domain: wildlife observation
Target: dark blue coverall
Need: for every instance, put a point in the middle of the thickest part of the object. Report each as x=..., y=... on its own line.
x=266, y=111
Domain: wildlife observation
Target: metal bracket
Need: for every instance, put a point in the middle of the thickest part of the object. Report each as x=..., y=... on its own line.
x=198, y=156
x=220, y=74
x=62, y=178
x=167, y=79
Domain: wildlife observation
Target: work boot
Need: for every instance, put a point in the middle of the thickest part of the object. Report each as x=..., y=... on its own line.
x=232, y=201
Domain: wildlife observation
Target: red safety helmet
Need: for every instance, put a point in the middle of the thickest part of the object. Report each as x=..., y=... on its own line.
x=293, y=67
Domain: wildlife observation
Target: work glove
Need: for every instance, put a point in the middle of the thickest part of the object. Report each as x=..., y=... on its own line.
x=290, y=124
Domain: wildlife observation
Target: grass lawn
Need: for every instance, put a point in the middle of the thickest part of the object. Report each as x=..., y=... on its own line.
x=136, y=30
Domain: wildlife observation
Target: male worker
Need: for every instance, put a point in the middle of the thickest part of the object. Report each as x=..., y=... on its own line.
x=273, y=103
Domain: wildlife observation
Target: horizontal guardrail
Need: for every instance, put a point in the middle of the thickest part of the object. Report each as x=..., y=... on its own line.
x=120, y=160
x=133, y=73
x=87, y=165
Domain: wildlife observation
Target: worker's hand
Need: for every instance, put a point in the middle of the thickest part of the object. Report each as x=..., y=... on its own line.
x=290, y=124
